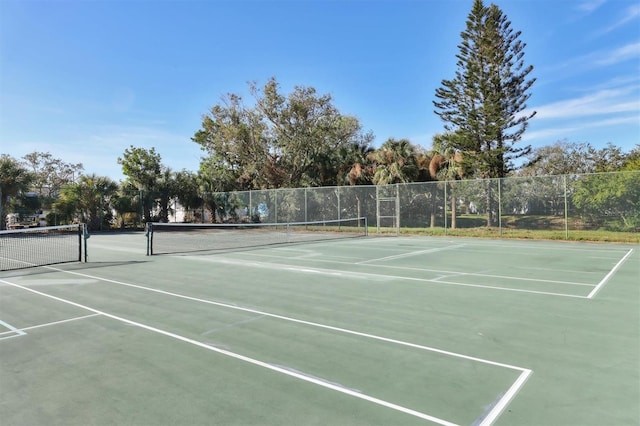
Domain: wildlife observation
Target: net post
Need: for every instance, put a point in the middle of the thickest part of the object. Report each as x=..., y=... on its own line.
x=79, y=230
x=85, y=237
x=148, y=233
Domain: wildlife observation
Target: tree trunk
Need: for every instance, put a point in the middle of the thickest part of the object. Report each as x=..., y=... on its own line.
x=489, y=201
x=433, y=190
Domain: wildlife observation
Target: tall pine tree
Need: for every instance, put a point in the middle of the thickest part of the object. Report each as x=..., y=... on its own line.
x=485, y=102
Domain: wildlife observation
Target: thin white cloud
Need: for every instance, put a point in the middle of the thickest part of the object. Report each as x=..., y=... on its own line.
x=590, y=6
x=611, y=104
x=597, y=59
x=549, y=133
x=629, y=81
x=620, y=54
x=561, y=132
x=631, y=13
x=603, y=102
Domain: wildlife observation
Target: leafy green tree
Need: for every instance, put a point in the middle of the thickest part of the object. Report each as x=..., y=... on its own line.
x=65, y=209
x=485, y=103
x=564, y=158
x=603, y=197
x=559, y=158
x=282, y=141
x=51, y=174
x=234, y=138
x=304, y=129
x=188, y=194
x=632, y=161
x=611, y=158
x=143, y=169
x=15, y=179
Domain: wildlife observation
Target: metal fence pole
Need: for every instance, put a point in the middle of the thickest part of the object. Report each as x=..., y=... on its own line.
x=499, y=207
x=306, y=219
x=446, y=183
x=566, y=209
x=275, y=203
x=338, y=195
x=397, y=209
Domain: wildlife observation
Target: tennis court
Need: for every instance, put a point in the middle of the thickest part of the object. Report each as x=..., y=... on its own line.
x=366, y=330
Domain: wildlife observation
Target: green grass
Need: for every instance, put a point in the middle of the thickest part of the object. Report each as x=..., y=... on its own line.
x=523, y=227
x=494, y=232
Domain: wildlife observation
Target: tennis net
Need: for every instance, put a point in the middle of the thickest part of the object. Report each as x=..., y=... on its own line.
x=26, y=248
x=166, y=238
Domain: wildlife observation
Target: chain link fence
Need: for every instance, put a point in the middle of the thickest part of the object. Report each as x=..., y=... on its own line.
x=608, y=201
x=603, y=201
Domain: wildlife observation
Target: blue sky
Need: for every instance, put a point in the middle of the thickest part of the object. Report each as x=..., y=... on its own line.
x=84, y=80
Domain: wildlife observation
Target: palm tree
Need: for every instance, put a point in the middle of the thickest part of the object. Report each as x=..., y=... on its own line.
x=395, y=162
x=88, y=201
x=446, y=165
x=188, y=193
x=166, y=188
x=355, y=166
x=14, y=179
x=125, y=207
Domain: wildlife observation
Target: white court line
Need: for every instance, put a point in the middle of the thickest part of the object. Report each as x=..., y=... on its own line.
x=506, y=399
x=370, y=276
x=52, y=323
x=497, y=409
x=440, y=271
x=481, y=244
x=609, y=275
x=409, y=254
x=15, y=332
x=518, y=290
x=294, y=320
x=253, y=361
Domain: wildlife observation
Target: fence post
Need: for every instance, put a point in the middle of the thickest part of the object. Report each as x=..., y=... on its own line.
x=446, y=184
x=500, y=206
x=275, y=203
x=306, y=216
x=397, y=209
x=566, y=209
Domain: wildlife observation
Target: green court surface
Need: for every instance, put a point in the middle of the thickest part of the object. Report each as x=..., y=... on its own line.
x=363, y=331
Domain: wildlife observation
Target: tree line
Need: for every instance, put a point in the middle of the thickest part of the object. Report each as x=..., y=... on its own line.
x=301, y=139
x=40, y=182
